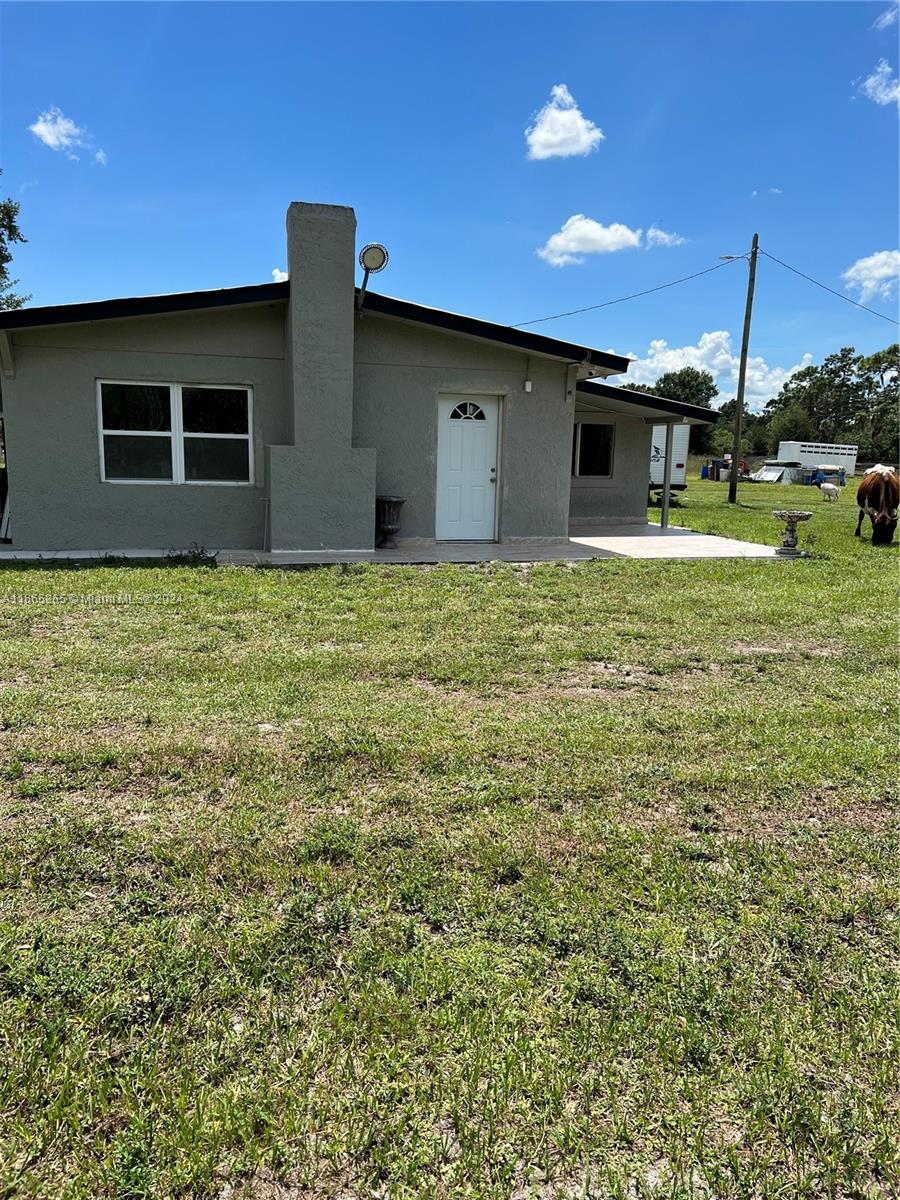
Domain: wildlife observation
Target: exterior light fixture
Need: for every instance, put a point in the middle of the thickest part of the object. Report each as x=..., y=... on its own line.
x=372, y=258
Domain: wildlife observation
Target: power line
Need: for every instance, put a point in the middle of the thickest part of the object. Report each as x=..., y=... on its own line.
x=634, y=295
x=685, y=278
x=824, y=287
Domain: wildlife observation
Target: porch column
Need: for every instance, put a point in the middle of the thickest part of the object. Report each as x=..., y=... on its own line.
x=667, y=477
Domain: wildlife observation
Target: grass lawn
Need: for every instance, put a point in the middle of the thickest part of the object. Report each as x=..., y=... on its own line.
x=476, y=882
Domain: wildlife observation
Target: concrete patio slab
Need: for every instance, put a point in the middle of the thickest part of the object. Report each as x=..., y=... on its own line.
x=649, y=541
x=607, y=541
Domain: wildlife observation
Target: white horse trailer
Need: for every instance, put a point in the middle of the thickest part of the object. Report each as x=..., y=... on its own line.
x=812, y=454
x=680, y=438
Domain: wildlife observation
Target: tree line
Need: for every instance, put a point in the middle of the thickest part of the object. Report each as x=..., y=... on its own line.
x=849, y=398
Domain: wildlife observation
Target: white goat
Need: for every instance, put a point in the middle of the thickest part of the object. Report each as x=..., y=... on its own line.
x=830, y=491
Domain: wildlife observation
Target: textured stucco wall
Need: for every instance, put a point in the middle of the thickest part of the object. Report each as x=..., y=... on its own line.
x=623, y=497
x=322, y=487
x=401, y=369
x=50, y=414
x=322, y=498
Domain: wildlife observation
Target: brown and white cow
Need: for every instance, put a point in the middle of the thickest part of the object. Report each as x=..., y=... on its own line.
x=878, y=497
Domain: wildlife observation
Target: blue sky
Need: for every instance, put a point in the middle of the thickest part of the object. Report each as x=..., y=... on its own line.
x=716, y=119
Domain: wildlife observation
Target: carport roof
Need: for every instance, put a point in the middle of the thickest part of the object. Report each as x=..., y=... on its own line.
x=267, y=293
x=658, y=408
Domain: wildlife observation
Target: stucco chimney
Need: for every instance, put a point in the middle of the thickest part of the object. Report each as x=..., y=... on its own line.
x=322, y=489
x=321, y=254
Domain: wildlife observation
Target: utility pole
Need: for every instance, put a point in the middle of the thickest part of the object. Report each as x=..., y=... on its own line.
x=742, y=377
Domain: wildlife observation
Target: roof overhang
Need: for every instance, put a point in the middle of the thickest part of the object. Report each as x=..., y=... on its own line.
x=589, y=360
x=141, y=306
x=605, y=397
x=592, y=361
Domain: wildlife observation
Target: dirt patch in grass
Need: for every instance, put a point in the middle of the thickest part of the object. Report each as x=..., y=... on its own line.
x=444, y=691
x=718, y=812
x=823, y=811
x=264, y=1186
x=624, y=675
x=598, y=680
x=786, y=650
x=15, y=681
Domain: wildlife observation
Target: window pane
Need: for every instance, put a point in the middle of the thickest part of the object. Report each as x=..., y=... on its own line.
x=137, y=457
x=210, y=459
x=595, y=457
x=468, y=412
x=214, y=410
x=136, y=406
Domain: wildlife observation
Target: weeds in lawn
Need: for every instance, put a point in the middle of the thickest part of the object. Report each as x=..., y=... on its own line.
x=467, y=882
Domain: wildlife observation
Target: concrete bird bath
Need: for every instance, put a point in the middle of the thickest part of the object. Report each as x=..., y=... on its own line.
x=791, y=517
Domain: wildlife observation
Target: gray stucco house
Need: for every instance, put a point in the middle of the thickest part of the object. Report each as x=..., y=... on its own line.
x=269, y=417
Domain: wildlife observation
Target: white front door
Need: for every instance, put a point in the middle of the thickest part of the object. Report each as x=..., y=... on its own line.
x=467, y=468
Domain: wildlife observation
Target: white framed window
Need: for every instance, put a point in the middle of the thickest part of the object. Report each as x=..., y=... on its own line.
x=175, y=432
x=593, y=444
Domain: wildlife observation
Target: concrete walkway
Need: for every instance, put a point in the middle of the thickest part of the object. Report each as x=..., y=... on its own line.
x=607, y=541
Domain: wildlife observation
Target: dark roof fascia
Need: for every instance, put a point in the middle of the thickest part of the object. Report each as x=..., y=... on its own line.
x=142, y=306
x=262, y=293
x=506, y=335
x=677, y=408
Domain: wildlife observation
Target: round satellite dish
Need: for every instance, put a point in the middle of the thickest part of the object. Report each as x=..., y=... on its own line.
x=373, y=258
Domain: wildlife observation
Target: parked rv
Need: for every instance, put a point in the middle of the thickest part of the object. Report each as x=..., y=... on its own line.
x=680, y=439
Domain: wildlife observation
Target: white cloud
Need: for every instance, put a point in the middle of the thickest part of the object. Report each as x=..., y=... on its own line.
x=581, y=235
x=887, y=18
x=714, y=353
x=874, y=276
x=279, y=276
x=560, y=129
x=59, y=132
x=882, y=85
x=775, y=191
x=659, y=237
